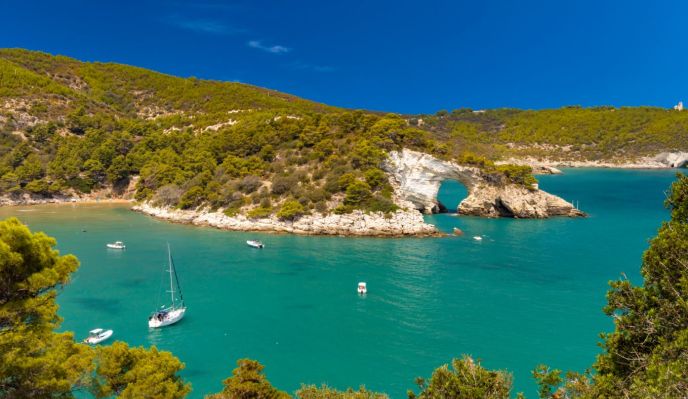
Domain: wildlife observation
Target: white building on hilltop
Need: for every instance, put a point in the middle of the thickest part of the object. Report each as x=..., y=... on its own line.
x=679, y=106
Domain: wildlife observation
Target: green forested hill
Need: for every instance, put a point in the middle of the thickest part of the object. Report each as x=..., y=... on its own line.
x=67, y=126
x=72, y=127
x=569, y=133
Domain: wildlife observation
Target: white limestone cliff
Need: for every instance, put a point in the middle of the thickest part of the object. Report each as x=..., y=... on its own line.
x=672, y=159
x=417, y=177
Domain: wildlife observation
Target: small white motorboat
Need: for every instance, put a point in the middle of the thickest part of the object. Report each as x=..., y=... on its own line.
x=362, y=288
x=477, y=238
x=116, y=245
x=255, y=244
x=97, y=336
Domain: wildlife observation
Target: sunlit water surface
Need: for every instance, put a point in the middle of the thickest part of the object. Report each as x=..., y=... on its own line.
x=530, y=292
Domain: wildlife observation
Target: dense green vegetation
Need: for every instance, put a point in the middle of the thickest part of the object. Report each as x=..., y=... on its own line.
x=73, y=127
x=646, y=356
x=69, y=127
x=569, y=133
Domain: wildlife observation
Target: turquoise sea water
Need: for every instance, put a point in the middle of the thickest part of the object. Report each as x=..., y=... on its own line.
x=531, y=292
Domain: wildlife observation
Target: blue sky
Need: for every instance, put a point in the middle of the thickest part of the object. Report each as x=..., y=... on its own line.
x=397, y=56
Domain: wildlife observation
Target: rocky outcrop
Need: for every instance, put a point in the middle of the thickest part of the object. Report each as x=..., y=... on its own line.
x=357, y=223
x=514, y=201
x=417, y=177
x=672, y=159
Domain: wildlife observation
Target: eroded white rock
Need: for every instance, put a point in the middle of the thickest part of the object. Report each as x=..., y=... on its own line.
x=357, y=223
x=417, y=177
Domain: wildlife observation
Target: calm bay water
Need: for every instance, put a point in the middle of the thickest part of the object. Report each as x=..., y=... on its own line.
x=531, y=292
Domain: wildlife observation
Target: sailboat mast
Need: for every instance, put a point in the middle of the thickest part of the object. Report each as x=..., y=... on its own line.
x=169, y=260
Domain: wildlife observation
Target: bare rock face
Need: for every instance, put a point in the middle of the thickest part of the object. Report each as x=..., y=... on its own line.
x=416, y=178
x=514, y=201
x=673, y=159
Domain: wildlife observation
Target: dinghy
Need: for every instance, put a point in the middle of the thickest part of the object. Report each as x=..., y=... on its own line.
x=97, y=336
x=362, y=288
x=169, y=314
x=255, y=244
x=477, y=238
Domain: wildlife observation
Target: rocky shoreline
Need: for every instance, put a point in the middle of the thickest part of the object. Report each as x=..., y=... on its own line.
x=358, y=223
x=665, y=160
x=57, y=200
x=416, y=178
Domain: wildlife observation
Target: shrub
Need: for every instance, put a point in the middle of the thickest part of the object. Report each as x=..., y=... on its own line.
x=282, y=184
x=321, y=207
x=167, y=195
x=345, y=180
x=375, y=178
x=39, y=186
x=356, y=193
x=291, y=210
x=249, y=184
x=192, y=198
x=343, y=209
x=381, y=204
x=325, y=392
x=518, y=174
x=466, y=379
x=260, y=212
x=231, y=211
x=469, y=158
x=316, y=194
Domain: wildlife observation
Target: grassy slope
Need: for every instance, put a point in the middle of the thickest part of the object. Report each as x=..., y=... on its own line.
x=125, y=88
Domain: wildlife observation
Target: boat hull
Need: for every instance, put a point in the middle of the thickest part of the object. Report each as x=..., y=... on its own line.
x=170, y=318
x=100, y=338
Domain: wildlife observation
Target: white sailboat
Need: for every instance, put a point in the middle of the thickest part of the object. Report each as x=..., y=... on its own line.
x=171, y=314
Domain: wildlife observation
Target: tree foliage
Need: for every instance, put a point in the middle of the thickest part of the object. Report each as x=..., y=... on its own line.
x=647, y=354
x=217, y=142
x=35, y=361
x=131, y=373
x=248, y=382
x=325, y=392
x=466, y=379
x=291, y=210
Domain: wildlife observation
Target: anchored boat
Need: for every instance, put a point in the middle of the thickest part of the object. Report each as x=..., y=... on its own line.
x=169, y=314
x=116, y=245
x=97, y=336
x=362, y=288
x=255, y=244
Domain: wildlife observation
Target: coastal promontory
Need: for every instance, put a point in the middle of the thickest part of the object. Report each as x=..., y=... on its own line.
x=242, y=157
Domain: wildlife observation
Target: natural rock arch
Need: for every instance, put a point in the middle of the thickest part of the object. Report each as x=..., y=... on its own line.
x=417, y=177
x=673, y=159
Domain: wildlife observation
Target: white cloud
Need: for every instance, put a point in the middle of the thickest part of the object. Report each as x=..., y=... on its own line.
x=275, y=49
